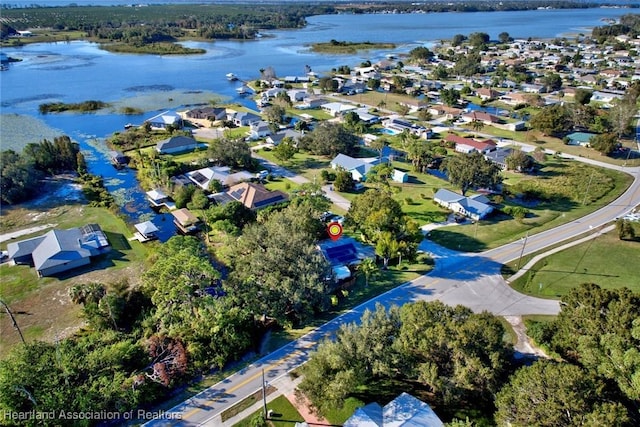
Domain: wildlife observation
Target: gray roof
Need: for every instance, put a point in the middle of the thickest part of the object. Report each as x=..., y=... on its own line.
x=347, y=162
x=59, y=247
x=146, y=228
x=23, y=247
x=447, y=196
x=176, y=142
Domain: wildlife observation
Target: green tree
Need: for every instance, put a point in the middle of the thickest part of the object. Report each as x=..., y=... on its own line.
x=458, y=39
x=504, y=37
x=548, y=394
x=275, y=114
x=467, y=65
x=449, y=96
x=583, y=96
x=479, y=40
x=468, y=171
x=177, y=284
x=551, y=120
x=368, y=269
x=605, y=143
x=277, y=270
x=552, y=81
x=621, y=115
x=380, y=173
x=329, y=139
x=518, y=160
x=420, y=54
x=376, y=211
x=477, y=125
x=386, y=247
x=285, y=150
x=421, y=156
x=344, y=180
x=231, y=152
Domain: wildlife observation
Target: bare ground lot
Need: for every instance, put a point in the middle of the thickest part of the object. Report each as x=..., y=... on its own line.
x=42, y=306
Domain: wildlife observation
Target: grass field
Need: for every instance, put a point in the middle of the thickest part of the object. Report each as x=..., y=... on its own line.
x=605, y=260
x=284, y=414
x=42, y=306
x=499, y=228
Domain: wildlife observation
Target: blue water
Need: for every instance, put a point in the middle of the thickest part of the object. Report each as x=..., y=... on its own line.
x=79, y=71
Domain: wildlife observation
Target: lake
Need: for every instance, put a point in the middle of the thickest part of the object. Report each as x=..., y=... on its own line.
x=80, y=71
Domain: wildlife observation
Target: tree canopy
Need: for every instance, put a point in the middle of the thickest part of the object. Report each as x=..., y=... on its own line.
x=329, y=139
x=468, y=171
x=451, y=354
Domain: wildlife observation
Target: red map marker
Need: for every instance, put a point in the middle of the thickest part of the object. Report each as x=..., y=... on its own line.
x=335, y=230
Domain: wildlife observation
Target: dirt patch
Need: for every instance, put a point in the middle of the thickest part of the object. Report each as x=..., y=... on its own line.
x=524, y=346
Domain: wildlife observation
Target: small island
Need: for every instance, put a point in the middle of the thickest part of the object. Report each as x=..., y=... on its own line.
x=83, y=107
x=164, y=48
x=343, y=47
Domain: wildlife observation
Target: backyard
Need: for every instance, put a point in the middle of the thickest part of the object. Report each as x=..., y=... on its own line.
x=42, y=305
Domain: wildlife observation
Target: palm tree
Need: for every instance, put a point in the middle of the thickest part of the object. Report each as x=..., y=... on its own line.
x=369, y=269
x=477, y=125
x=386, y=247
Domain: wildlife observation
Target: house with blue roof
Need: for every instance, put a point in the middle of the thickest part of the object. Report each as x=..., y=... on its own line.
x=475, y=207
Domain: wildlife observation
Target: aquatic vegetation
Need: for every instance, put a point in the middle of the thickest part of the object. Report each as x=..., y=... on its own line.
x=18, y=130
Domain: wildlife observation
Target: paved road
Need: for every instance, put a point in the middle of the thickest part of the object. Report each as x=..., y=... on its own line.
x=472, y=280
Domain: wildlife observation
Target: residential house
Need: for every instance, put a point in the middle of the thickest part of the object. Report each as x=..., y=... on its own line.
x=203, y=177
x=445, y=111
x=398, y=125
x=208, y=113
x=276, y=138
x=177, y=144
x=243, y=118
x=259, y=129
x=357, y=167
x=311, y=103
x=60, y=250
x=344, y=253
x=499, y=156
x=532, y=88
x=485, y=118
x=399, y=176
x=468, y=145
x=253, y=196
x=165, y=120
x=475, y=207
x=185, y=220
x=118, y=159
x=366, y=117
x=487, y=94
x=405, y=410
x=580, y=138
x=336, y=109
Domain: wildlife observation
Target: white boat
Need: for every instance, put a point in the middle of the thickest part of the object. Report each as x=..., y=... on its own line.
x=242, y=90
x=231, y=77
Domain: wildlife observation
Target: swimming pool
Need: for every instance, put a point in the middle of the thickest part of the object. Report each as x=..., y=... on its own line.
x=388, y=131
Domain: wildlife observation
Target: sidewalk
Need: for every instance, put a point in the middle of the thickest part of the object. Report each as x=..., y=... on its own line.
x=284, y=385
x=543, y=255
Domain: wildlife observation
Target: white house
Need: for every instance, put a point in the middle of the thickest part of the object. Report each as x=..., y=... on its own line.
x=475, y=207
x=357, y=167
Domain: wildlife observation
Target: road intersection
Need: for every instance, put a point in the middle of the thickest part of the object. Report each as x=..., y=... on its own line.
x=472, y=280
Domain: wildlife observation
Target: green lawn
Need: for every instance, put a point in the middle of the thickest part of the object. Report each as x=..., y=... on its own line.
x=284, y=414
x=605, y=260
x=500, y=229
x=43, y=303
x=307, y=165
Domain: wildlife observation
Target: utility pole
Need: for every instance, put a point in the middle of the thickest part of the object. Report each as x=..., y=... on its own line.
x=526, y=236
x=13, y=320
x=586, y=193
x=264, y=395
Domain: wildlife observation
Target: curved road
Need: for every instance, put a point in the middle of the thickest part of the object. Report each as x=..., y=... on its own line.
x=472, y=280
